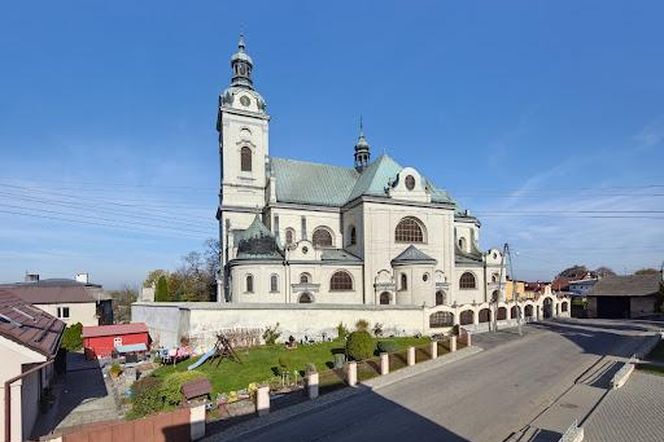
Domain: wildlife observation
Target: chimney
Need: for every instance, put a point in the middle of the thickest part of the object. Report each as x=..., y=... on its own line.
x=82, y=278
x=31, y=277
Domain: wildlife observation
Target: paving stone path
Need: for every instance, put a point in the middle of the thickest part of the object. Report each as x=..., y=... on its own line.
x=633, y=412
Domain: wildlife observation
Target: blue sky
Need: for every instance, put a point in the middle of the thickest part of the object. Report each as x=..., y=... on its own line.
x=546, y=119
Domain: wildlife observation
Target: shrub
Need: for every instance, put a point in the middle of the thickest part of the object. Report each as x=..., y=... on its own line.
x=115, y=370
x=360, y=345
x=146, y=397
x=387, y=347
x=71, y=338
x=362, y=325
x=342, y=331
x=378, y=329
x=271, y=334
x=171, y=389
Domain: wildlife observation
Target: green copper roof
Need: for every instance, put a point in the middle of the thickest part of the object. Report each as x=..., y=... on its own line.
x=413, y=255
x=257, y=242
x=375, y=178
x=312, y=183
x=326, y=185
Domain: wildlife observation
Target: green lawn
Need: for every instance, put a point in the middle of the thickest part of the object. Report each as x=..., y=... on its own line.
x=653, y=369
x=258, y=363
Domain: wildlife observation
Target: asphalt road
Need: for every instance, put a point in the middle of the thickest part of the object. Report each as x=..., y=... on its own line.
x=485, y=397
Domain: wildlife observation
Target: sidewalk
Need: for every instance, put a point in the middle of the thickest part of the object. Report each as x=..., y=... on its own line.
x=578, y=401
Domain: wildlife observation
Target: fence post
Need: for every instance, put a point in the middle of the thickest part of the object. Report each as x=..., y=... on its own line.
x=411, y=356
x=434, y=349
x=312, y=385
x=384, y=363
x=468, y=339
x=351, y=373
x=453, y=344
x=197, y=422
x=263, y=401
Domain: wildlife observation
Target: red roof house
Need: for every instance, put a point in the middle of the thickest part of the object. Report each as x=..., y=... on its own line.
x=100, y=341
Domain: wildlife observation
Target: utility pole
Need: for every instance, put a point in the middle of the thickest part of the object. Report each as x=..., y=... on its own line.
x=500, y=289
x=507, y=254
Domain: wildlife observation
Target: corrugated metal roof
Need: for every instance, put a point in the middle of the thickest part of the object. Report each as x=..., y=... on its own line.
x=131, y=348
x=632, y=285
x=114, y=330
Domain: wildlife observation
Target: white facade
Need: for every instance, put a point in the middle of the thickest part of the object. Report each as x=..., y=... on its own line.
x=388, y=229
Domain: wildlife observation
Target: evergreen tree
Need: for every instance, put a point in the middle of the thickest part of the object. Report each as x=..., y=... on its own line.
x=161, y=293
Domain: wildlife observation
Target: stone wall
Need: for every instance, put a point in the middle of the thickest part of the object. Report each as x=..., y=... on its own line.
x=168, y=322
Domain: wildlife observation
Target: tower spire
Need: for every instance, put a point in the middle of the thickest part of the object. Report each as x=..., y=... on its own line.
x=362, y=152
x=242, y=65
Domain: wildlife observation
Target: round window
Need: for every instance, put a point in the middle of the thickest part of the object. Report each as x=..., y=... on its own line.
x=425, y=277
x=305, y=250
x=245, y=101
x=410, y=182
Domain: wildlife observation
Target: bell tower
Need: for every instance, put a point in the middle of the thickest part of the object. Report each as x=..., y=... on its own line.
x=243, y=126
x=362, y=152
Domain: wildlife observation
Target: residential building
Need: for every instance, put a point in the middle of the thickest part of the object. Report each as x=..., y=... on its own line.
x=581, y=287
x=29, y=343
x=625, y=296
x=70, y=300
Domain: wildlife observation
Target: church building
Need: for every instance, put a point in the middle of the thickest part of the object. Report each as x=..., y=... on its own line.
x=374, y=232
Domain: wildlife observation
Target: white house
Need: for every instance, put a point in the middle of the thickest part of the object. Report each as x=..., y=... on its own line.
x=29, y=342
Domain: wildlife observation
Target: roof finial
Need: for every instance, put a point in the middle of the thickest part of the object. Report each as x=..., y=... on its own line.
x=240, y=44
x=361, y=127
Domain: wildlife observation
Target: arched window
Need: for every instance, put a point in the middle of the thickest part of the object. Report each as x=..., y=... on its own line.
x=305, y=278
x=290, y=236
x=440, y=297
x=514, y=312
x=352, y=236
x=462, y=243
x=245, y=159
x=409, y=230
x=466, y=317
x=249, y=284
x=322, y=237
x=384, y=298
x=495, y=296
x=485, y=315
x=341, y=280
x=274, y=283
x=467, y=281
x=404, y=282
x=305, y=298
x=494, y=277
x=528, y=311
x=563, y=307
x=441, y=319
x=502, y=313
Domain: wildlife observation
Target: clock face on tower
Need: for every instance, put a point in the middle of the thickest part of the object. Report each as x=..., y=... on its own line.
x=245, y=101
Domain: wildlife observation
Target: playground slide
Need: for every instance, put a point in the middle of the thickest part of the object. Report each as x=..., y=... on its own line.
x=202, y=359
